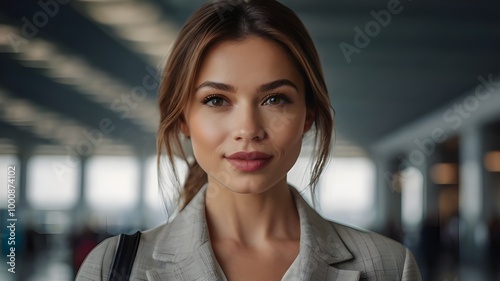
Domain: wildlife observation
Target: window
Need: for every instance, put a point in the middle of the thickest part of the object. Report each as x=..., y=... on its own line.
x=111, y=182
x=300, y=175
x=347, y=190
x=52, y=183
x=412, y=197
x=154, y=199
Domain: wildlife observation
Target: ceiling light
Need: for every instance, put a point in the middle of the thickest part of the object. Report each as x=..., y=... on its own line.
x=69, y=69
x=124, y=13
x=19, y=112
x=158, y=50
x=138, y=24
x=39, y=121
x=154, y=32
x=39, y=50
x=7, y=35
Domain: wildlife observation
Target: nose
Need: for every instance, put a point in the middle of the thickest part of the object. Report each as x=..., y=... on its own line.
x=248, y=125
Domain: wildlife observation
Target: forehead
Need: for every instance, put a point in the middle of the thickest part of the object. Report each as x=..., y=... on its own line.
x=253, y=60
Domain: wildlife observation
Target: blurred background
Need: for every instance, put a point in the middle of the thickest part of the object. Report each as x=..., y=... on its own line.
x=415, y=86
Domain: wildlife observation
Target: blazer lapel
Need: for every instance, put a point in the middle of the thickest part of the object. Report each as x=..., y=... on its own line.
x=314, y=268
x=321, y=247
x=197, y=267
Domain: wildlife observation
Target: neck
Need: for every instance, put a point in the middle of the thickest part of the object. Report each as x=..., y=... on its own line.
x=251, y=219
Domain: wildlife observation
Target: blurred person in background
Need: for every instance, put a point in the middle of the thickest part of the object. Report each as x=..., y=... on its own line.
x=244, y=84
x=82, y=243
x=430, y=245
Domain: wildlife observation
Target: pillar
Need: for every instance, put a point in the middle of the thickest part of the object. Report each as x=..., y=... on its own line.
x=472, y=211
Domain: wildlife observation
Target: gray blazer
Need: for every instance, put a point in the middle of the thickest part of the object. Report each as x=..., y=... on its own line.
x=181, y=250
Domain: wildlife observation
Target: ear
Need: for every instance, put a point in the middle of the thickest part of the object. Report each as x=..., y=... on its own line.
x=310, y=117
x=184, y=127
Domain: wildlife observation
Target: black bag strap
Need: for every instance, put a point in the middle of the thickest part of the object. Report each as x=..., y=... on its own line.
x=124, y=257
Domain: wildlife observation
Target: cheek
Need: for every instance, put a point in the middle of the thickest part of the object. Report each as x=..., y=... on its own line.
x=287, y=125
x=206, y=134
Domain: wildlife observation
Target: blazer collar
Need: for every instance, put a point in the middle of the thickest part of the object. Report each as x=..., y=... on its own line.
x=320, y=246
x=319, y=234
x=185, y=245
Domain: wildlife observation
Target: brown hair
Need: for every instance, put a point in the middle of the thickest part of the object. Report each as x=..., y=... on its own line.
x=236, y=20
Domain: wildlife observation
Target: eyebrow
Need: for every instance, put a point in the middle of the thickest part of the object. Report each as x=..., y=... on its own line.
x=216, y=86
x=263, y=88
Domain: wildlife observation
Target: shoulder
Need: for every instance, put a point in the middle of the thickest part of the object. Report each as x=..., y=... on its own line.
x=377, y=256
x=358, y=239
x=97, y=264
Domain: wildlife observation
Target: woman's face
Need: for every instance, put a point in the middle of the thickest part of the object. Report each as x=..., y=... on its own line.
x=247, y=115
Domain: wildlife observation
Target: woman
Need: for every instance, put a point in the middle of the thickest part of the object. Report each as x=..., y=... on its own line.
x=244, y=84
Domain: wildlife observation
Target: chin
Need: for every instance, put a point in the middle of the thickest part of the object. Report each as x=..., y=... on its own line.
x=250, y=187
x=246, y=183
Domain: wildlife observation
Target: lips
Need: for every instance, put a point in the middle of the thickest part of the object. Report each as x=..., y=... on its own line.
x=249, y=161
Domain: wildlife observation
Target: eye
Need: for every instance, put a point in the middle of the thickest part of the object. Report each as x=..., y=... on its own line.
x=276, y=99
x=214, y=101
